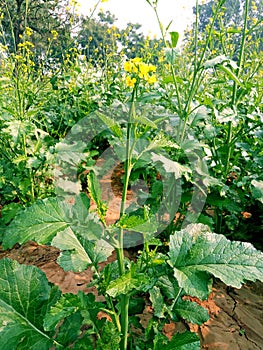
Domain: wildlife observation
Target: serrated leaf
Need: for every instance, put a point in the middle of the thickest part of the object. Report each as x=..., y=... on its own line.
x=24, y=295
x=195, y=253
x=191, y=312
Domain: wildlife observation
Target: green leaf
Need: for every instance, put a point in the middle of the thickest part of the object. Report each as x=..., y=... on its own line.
x=95, y=193
x=230, y=74
x=73, y=256
x=40, y=222
x=169, y=288
x=111, y=124
x=45, y=218
x=195, y=253
x=78, y=252
x=128, y=282
x=67, y=305
x=24, y=295
x=191, y=312
x=159, y=307
x=171, y=166
x=174, y=38
x=139, y=224
x=70, y=329
x=183, y=341
x=144, y=120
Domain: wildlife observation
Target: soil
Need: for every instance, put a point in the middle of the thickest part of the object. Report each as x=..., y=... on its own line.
x=236, y=315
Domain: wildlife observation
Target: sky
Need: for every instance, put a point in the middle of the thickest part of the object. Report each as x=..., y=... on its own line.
x=139, y=11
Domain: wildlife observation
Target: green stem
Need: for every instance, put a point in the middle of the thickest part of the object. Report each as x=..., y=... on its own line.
x=230, y=145
x=198, y=70
x=124, y=299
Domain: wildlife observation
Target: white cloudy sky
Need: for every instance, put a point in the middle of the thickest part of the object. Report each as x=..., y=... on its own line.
x=138, y=11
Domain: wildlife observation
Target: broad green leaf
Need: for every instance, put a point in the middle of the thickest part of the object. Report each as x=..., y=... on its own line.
x=169, y=288
x=45, y=218
x=40, y=222
x=71, y=153
x=24, y=295
x=78, y=252
x=191, y=312
x=174, y=38
x=69, y=304
x=73, y=256
x=70, y=330
x=195, y=253
x=183, y=341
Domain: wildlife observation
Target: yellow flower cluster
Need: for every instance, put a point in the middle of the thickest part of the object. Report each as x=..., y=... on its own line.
x=54, y=33
x=139, y=70
x=26, y=45
x=28, y=31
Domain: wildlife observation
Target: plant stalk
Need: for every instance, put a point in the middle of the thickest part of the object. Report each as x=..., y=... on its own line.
x=124, y=299
x=234, y=91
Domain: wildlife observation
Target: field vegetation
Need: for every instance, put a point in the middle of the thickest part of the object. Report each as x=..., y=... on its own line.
x=185, y=125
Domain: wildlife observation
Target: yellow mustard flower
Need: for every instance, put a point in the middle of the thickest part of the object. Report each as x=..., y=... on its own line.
x=152, y=79
x=128, y=66
x=141, y=70
x=130, y=82
x=54, y=34
x=28, y=31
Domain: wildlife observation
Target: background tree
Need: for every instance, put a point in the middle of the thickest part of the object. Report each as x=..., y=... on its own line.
x=230, y=22
x=39, y=21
